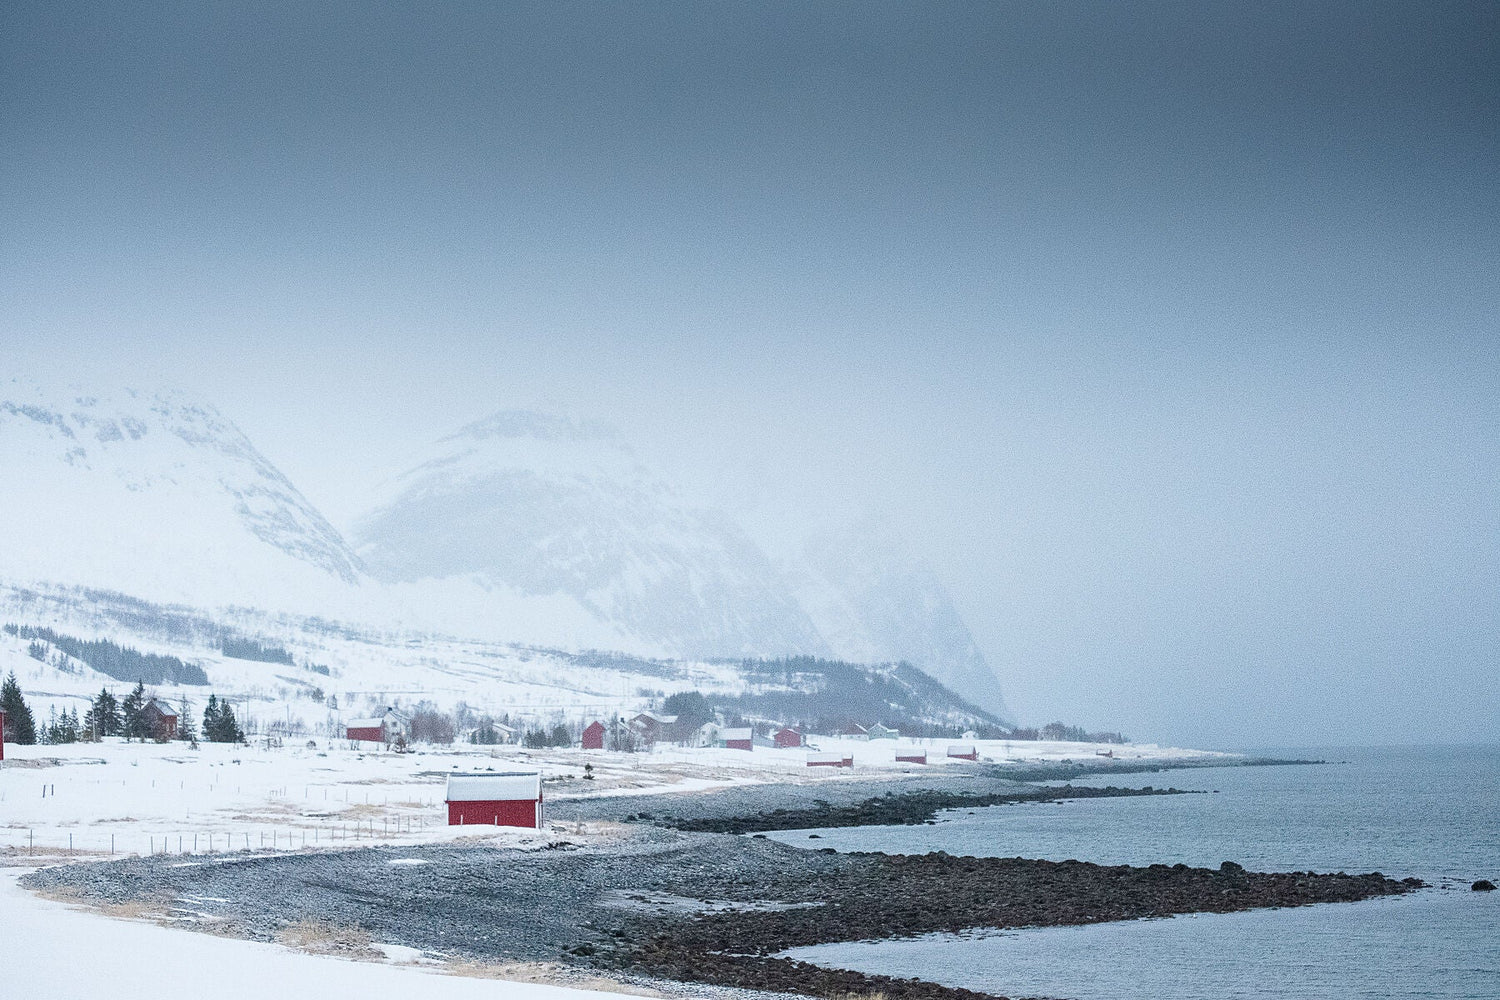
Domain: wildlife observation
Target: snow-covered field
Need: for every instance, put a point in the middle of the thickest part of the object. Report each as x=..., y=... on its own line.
x=91, y=800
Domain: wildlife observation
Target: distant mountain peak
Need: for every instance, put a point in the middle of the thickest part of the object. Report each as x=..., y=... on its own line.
x=536, y=425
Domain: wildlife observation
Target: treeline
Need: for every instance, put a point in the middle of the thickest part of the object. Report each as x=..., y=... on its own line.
x=248, y=649
x=120, y=662
x=1065, y=733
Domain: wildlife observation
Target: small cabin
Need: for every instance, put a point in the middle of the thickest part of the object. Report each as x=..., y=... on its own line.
x=963, y=751
x=911, y=756
x=593, y=736
x=739, y=739
x=160, y=720
x=819, y=759
x=495, y=798
x=787, y=737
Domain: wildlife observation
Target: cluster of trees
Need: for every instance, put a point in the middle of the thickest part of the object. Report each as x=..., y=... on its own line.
x=119, y=662
x=538, y=738
x=1065, y=733
x=219, y=723
x=249, y=649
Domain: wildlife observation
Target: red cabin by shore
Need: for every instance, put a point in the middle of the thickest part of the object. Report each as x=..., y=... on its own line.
x=963, y=751
x=495, y=798
x=787, y=737
x=593, y=736
x=739, y=739
x=912, y=758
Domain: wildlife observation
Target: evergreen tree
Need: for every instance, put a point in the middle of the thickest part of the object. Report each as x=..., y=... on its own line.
x=132, y=715
x=185, y=730
x=211, y=719
x=560, y=736
x=103, y=717
x=20, y=727
x=219, y=723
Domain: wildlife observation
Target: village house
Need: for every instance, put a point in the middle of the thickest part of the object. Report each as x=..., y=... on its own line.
x=879, y=732
x=739, y=739
x=654, y=728
x=160, y=720
x=384, y=728
x=593, y=736
x=787, y=737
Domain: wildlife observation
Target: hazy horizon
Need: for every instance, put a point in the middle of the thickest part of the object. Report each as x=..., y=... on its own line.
x=1167, y=334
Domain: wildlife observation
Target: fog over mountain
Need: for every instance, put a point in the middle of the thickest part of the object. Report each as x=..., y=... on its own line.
x=523, y=526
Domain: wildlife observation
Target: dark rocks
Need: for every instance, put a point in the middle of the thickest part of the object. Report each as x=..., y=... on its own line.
x=1483, y=885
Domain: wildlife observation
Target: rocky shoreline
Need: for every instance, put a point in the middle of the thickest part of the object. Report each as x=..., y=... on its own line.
x=665, y=900
x=890, y=809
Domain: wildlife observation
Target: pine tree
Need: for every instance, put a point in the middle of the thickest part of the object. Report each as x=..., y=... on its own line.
x=185, y=730
x=229, y=727
x=132, y=717
x=211, y=719
x=20, y=727
x=103, y=718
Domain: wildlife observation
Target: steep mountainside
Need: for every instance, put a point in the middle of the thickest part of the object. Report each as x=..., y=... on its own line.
x=159, y=496
x=545, y=506
x=873, y=602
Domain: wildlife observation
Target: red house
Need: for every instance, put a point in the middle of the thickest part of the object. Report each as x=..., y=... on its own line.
x=495, y=798
x=593, y=736
x=911, y=757
x=739, y=739
x=787, y=737
x=829, y=760
x=380, y=729
x=160, y=719
x=963, y=751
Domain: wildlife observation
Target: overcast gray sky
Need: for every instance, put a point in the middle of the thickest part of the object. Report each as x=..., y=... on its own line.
x=1168, y=331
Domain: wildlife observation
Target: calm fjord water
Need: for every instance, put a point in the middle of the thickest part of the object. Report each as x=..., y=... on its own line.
x=1429, y=812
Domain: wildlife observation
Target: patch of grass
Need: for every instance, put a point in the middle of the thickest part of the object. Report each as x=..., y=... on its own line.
x=319, y=937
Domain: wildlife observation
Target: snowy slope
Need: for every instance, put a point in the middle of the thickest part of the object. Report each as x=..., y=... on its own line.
x=873, y=601
x=159, y=496
x=548, y=507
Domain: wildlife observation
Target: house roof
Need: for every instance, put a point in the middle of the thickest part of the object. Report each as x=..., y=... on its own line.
x=737, y=734
x=365, y=723
x=166, y=712
x=486, y=786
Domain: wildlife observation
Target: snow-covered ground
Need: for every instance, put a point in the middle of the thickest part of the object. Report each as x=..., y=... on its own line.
x=131, y=798
x=45, y=955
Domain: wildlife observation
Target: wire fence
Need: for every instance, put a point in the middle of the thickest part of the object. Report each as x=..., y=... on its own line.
x=51, y=842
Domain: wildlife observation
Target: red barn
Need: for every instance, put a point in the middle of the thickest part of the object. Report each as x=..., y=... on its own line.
x=380, y=729
x=495, y=798
x=739, y=739
x=593, y=736
x=911, y=757
x=829, y=760
x=963, y=751
x=787, y=737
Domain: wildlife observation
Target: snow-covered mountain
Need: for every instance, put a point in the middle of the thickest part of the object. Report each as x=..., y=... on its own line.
x=159, y=496
x=544, y=506
x=520, y=528
x=874, y=601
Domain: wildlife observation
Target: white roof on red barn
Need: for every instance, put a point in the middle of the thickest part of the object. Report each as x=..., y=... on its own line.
x=365, y=723
x=737, y=734
x=494, y=786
